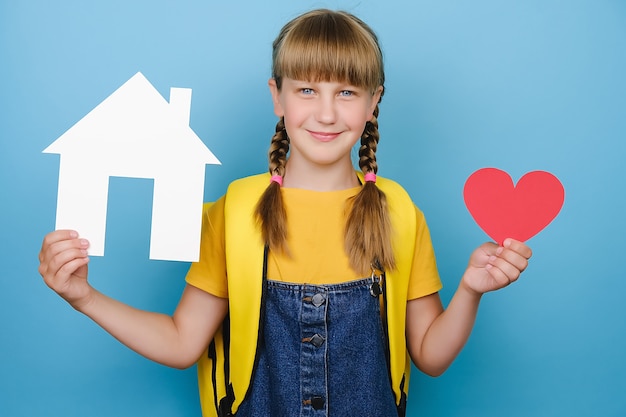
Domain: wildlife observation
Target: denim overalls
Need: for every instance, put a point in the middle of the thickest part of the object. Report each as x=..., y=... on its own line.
x=322, y=353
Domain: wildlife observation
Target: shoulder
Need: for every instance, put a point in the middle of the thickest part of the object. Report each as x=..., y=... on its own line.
x=239, y=190
x=395, y=193
x=250, y=181
x=389, y=185
x=401, y=207
x=247, y=189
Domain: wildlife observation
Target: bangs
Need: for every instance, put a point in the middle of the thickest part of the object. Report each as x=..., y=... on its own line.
x=329, y=47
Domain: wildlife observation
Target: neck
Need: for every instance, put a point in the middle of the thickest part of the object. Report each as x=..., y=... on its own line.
x=320, y=178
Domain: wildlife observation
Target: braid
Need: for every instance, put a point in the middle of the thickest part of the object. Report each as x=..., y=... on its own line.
x=278, y=149
x=368, y=227
x=270, y=210
x=369, y=145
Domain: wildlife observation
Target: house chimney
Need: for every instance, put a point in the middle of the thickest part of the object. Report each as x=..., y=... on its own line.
x=180, y=104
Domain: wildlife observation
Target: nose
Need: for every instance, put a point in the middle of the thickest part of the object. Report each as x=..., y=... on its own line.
x=326, y=111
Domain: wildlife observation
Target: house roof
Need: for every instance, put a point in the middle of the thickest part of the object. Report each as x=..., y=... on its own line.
x=134, y=122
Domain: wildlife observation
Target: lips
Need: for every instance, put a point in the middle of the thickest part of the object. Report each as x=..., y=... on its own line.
x=324, y=136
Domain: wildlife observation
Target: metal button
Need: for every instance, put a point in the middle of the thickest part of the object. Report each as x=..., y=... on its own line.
x=318, y=299
x=316, y=340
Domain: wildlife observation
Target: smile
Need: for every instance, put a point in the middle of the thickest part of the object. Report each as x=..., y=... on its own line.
x=323, y=136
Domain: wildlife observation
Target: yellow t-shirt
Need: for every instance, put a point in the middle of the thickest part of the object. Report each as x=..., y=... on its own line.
x=316, y=246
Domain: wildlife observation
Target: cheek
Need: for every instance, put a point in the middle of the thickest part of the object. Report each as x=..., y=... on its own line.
x=360, y=117
x=370, y=112
x=293, y=114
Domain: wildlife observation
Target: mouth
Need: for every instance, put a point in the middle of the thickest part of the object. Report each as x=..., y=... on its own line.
x=324, y=136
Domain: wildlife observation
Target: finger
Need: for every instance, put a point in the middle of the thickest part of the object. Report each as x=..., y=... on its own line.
x=61, y=282
x=54, y=247
x=58, y=276
x=518, y=260
x=72, y=266
x=60, y=254
x=52, y=239
x=498, y=275
x=503, y=271
x=66, y=255
x=519, y=247
x=480, y=257
x=58, y=235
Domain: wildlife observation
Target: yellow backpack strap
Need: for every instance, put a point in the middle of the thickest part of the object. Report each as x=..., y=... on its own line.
x=222, y=382
x=211, y=383
x=244, y=263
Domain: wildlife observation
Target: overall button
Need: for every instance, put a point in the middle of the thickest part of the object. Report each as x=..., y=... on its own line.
x=316, y=340
x=316, y=402
x=318, y=299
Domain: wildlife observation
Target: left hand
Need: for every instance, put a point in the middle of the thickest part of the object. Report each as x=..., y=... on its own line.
x=492, y=267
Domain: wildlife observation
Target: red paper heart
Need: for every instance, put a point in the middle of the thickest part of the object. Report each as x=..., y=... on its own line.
x=520, y=212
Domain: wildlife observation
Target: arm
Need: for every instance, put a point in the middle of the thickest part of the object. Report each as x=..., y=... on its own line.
x=176, y=341
x=436, y=336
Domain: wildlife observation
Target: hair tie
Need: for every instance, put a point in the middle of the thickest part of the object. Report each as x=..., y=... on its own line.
x=277, y=179
x=370, y=177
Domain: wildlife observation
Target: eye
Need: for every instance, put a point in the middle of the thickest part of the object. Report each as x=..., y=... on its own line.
x=307, y=91
x=346, y=93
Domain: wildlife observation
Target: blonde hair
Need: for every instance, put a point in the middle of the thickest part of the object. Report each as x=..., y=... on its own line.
x=325, y=45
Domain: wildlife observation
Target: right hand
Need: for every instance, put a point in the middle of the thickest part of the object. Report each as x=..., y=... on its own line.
x=63, y=263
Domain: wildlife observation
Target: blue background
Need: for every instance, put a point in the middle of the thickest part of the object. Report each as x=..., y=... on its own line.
x=518, y=85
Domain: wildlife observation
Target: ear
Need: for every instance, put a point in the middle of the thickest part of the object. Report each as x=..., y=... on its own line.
x=278, y=108
x=375, y=100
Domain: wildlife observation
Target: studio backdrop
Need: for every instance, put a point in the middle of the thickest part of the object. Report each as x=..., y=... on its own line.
x=515, y=85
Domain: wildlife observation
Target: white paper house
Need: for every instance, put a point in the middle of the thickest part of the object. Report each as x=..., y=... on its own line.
x=135, y=133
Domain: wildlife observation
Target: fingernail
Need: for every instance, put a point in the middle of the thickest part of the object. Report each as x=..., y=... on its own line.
x=499, y=250
x=84, y=242
x=73, y=234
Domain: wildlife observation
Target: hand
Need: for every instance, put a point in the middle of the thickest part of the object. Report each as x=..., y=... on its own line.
x=492, y=267
x=63, y=265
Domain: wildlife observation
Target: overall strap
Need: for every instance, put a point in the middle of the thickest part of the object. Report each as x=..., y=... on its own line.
x=224, y=406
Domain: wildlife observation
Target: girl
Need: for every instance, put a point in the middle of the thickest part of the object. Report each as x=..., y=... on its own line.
x=315, y=282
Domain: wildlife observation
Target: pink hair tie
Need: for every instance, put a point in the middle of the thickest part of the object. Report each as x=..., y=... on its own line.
x=370, y=177
x=277, y=179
